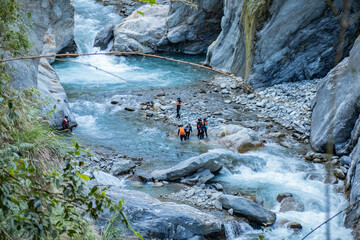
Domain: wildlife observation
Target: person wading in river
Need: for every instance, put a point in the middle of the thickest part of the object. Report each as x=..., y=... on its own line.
x=198, y=127
x=202, y=130
x=181, y=132
x=205, y=123
x=178, y=105
x=188, y=130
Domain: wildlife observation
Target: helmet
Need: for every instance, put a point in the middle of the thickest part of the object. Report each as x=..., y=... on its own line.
x=66, y=117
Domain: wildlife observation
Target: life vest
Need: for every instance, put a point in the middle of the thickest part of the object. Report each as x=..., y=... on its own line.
x=198, y=124
x=206, y=124
x=182, y=131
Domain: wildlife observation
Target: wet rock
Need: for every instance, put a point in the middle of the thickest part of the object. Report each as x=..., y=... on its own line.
x=345, y=160
x=339, y=173
x=243, y=140
x=165, y=220
x=224, y=130
x=218, y=205
x=114, y=102
x=122, y=166
x=227, y=101
x=294, y=225
x=281, y=196
x=291, y=204
x=248, y=209
x=105, y=179
x=188, y=167
x=104, y=36
x=198, y=178
x=231, y=211
x=129, y=109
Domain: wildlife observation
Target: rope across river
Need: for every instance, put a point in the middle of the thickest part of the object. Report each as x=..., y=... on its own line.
x=57, y=56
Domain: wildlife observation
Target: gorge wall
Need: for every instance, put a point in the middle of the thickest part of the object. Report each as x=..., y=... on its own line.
x=278, y=41
x=50, y=30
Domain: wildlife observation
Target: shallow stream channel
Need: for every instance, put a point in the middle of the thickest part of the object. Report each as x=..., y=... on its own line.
x=105, y=127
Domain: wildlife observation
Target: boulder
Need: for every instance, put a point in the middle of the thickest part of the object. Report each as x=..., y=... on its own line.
x=345, y=160
x=122, y=166
x=248, y=209
x=105, y=179
x=339, y=116
x=291, y=40
x=104, y=36
x=339, y=173
x=224, y=130
x=166, y=220
x=163, y=28
x=141, y=33
x=291, y=204
x=130, y=109
x=205, y=161
x=243, y=140
x=281, y=196
x=198, y=178
x=294, y=225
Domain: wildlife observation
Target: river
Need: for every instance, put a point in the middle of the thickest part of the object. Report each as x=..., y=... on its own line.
x=264, y=173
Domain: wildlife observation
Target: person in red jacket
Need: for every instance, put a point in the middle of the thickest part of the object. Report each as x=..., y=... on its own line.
x=66, y=123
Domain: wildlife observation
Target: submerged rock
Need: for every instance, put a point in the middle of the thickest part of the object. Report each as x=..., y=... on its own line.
x=248, y=209
x=291, y=204
x=294, y=225
x=166, y=220
x=205, y=161
x=281, y=196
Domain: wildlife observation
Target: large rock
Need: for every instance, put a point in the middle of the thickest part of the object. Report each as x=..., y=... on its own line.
x=177, y=27
x=292, y=40
x=122, y=166
x=224, y=130
x=138, y=33
x=190, y=166
x=243, y=140
x=104, y=179
x=352, y=219
x=337, y=106
x=198, y=178
x=104, y=36
x=166, y=220
x=291, y=204
x=248, y=209
x=52, y=91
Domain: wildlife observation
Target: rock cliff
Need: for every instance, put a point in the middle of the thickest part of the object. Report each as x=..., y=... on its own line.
x=336, y=115
x=269, y=42
x=50, y=30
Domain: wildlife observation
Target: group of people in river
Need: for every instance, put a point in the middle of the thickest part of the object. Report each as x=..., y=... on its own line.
x=201, y=126
x=184, y=132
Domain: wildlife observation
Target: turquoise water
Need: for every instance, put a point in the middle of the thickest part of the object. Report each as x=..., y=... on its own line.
x=264, y=173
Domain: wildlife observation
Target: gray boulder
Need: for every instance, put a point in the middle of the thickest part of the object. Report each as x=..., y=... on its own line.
x=188, y=167
x=105, y=179
x=122, y=166
x=339, y=116
x=166, y=220
x=243, y=140
x=291, y=41
x=138, y=33
x=104, y=36
x=248, y=209
x=291, y=204
x=176, y=27
x=198, y=178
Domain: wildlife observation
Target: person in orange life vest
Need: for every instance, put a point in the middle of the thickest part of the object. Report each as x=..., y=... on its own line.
x=205, y=123
x=198, y=127
x=66, y=123
x=178, y=105
x=181, y=132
